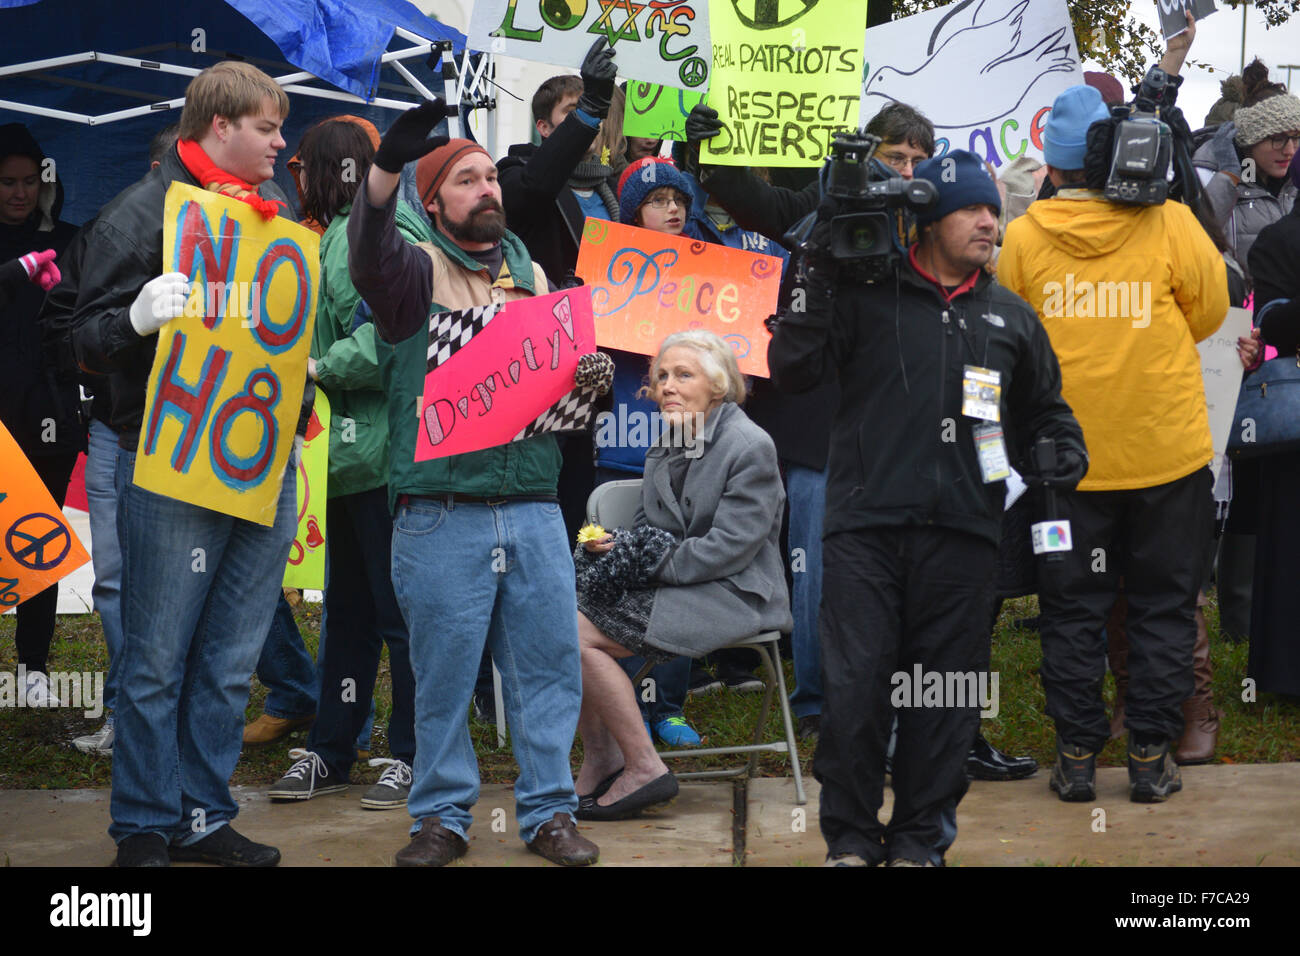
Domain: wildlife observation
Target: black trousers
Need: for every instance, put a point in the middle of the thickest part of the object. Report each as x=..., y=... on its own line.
x=361, y=615
x=35, y=625
x=1156, y=539
x=893, y=598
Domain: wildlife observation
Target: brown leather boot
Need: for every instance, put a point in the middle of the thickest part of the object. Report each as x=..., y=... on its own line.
x=1200, y=719
x=1117, y=651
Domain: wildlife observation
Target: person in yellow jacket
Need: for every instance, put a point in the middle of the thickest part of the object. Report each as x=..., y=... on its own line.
x=1125, y=293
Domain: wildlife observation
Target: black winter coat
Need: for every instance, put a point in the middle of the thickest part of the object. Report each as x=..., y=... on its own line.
x=902, y=454
x=800, y=425
x=123, y=252
x=37, y=404
x=540, y=207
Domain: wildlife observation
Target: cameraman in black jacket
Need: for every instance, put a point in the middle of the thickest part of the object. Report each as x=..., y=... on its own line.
x=934, y=363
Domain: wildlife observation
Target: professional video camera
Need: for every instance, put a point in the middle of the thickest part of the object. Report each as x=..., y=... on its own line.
x=1129, y=155
x=872, y=232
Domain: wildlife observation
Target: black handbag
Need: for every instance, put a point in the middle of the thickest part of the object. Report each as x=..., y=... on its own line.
x=1267, y=420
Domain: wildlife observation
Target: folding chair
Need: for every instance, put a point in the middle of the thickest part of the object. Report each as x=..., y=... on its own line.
x=613, y=505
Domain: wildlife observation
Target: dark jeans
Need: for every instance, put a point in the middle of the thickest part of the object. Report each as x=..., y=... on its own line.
x=35, y=627
x=892, y=599
x=361, y=615
x=1157, y=540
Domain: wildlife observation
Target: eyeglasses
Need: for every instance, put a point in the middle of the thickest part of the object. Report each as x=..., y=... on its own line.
x=663, y=202
x=900, y=162
x=1280, y=141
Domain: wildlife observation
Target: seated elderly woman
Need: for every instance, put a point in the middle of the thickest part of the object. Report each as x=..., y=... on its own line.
x=701, y=567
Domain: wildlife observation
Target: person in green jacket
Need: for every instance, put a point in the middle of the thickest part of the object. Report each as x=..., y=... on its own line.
x=361, y=612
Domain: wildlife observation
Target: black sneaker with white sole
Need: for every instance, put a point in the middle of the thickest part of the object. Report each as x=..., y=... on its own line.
x=1152, y=773
x=393, y=787
x=305, y=779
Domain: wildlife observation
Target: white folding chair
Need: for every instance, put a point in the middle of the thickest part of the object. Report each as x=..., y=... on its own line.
x=614, y=505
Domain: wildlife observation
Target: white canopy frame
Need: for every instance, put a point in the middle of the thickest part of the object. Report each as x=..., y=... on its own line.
x=456, y=90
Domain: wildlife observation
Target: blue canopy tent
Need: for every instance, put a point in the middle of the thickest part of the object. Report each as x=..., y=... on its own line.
x=94, y=81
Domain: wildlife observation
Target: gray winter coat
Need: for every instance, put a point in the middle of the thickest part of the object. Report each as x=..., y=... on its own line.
x=1241, y=209
x=727, y=576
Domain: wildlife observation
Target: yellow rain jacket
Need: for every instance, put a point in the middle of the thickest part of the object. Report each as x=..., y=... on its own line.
x=1125, y=293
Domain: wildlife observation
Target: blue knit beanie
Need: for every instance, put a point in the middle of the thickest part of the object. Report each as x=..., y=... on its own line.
x=1065, y=140
x=644, y=177
x=961, y=180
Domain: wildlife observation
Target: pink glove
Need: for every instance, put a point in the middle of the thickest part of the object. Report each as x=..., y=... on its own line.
x=40, y=268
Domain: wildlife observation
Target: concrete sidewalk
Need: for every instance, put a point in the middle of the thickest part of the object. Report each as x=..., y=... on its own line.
x=1227, y=815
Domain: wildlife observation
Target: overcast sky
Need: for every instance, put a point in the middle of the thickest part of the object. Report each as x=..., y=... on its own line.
x=1218, y=44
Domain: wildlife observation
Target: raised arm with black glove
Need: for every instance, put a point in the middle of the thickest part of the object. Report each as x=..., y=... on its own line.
x=598, y=73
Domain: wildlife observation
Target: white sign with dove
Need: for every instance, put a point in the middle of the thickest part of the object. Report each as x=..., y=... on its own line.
x=985, y=72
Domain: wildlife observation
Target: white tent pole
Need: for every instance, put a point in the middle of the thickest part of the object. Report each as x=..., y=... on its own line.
x=46, y=111
x=34, y=65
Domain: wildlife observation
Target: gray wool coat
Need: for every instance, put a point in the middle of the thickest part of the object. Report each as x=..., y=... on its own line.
x=726, y=576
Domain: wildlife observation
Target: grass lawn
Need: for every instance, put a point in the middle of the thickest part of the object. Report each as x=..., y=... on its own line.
x=35, y=752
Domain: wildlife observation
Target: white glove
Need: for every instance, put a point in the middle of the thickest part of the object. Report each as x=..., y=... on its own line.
x=160, y=300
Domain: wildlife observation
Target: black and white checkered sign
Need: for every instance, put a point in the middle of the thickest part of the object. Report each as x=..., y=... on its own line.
x=571, y=413
x=449, y=332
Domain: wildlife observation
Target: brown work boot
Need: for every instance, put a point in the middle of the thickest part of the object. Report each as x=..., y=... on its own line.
x=1117, y=651
x=434, y=845
x=267, y=729
x=560, y=842
x=1200, y=719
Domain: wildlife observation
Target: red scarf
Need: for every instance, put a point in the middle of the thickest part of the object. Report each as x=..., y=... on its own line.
x=214, y=178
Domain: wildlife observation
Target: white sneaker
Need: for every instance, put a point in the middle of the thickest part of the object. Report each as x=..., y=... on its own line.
x=38, y=691
x=100, y=742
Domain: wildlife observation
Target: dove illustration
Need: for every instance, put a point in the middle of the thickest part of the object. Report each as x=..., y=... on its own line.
x=984, y=68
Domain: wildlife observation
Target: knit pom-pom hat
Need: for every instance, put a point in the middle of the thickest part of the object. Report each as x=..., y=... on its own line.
x=644, y=177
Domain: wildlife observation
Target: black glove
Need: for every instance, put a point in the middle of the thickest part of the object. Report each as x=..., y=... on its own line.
x=702, y=123
x=408, y=138
x=1071, y=466
x=598, y=73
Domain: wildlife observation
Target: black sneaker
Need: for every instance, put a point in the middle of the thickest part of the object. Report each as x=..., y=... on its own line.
x=1152, y=773
x=225, y=847
x=143, y=849
x=741, y=681
x=702, y=682
x=1074, y=775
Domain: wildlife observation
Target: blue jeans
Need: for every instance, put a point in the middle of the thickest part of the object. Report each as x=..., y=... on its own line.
x=806, y=493
x=501, y=573
x=286, y=669
x=198, y=595
x=105, y=553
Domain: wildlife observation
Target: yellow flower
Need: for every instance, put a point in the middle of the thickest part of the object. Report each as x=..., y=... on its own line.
x=591, y=532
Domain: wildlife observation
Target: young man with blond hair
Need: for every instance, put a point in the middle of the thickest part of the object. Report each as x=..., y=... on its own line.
x=191, y=633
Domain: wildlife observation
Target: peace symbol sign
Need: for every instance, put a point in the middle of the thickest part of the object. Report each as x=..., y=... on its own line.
x=767, y=15
x=38, y=535
x=693, y=71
